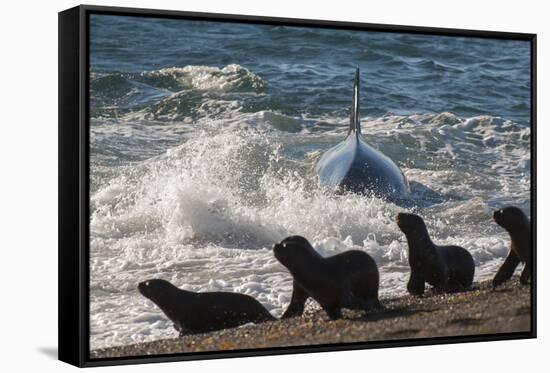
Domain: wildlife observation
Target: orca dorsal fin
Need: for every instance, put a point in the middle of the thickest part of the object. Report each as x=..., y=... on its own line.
x=354, y=124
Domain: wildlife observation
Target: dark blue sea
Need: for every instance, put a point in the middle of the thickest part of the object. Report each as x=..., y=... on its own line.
x=204, y=138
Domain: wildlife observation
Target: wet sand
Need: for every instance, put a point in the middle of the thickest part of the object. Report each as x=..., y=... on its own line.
x=482, y=310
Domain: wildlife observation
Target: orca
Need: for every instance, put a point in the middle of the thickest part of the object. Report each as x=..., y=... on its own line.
x=355, y=166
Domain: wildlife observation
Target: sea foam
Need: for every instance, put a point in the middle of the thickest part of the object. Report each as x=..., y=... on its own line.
x=203, y=214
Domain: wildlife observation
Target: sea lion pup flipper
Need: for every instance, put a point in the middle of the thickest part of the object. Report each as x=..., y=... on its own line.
x=416, y=284
x=333, y=310
x=357, y=303
x=525, y=278
x=297, y=302
x=507, y=269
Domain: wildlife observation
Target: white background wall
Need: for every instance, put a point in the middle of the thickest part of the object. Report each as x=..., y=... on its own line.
x=28, y=183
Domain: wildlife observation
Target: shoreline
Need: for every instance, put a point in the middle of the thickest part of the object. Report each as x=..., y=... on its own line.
x=481, y=310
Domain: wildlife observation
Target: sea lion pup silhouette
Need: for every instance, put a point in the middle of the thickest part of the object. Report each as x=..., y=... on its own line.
x=194, y=313
x=517, y=224
x=347, y=280
x=446, y=268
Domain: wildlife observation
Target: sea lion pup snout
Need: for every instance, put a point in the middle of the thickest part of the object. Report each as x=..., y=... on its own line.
x=517, y=224
x=203, y=312
x=446, y=268
x=155, y=288
x=142, y=287
x=508, y=217
x=347, y=280
x=279, y=250
x=157, y=284
x=294, y=247
x=410, y=223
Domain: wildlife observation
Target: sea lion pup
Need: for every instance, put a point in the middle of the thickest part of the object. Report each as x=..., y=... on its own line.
x=346, y=280
x=194, y=313
x=518, y=226
x=446, y=268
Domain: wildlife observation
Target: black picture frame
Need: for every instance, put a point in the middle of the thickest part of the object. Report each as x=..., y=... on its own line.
x=74, y=182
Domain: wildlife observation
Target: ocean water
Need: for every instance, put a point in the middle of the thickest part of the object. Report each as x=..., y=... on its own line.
x=204, y=137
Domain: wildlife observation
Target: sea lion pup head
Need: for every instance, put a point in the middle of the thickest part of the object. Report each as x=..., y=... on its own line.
x=295, y=252
x=411, y=224
x=509, y=217
x=155, y=289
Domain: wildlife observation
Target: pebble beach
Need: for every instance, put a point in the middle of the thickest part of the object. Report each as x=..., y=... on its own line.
x=480, y=311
